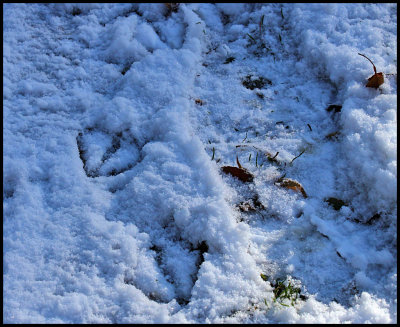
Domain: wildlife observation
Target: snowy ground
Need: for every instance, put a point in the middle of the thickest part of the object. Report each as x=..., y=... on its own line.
x=117, y=121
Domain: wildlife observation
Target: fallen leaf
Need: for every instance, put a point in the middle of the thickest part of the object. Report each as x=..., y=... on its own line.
x=241, y=173
x=291, y=184
x=199, y=102
x=375, y=80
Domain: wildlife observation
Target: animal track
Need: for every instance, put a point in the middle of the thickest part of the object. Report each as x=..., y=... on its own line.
x=172, y=248
x=105, y=154
x=177, y=263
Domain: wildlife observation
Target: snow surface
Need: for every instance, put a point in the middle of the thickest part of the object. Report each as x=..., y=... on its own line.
x=117, y=119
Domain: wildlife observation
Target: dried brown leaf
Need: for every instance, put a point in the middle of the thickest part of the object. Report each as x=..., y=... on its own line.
x=293, y=185
x=375, y=80
x=240, y=173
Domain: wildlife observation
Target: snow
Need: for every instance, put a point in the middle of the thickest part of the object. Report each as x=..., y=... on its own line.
x=117, y=120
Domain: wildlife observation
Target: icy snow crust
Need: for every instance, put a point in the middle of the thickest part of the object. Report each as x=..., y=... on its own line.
x=116, y=209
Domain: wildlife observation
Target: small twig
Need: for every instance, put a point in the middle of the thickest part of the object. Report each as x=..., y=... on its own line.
x=298, y=155
x=369, y=61
x=309, y=127
x=256, y=159
x=275, y=155
x=238, y=163
x=245, y=138
x=213, y=150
